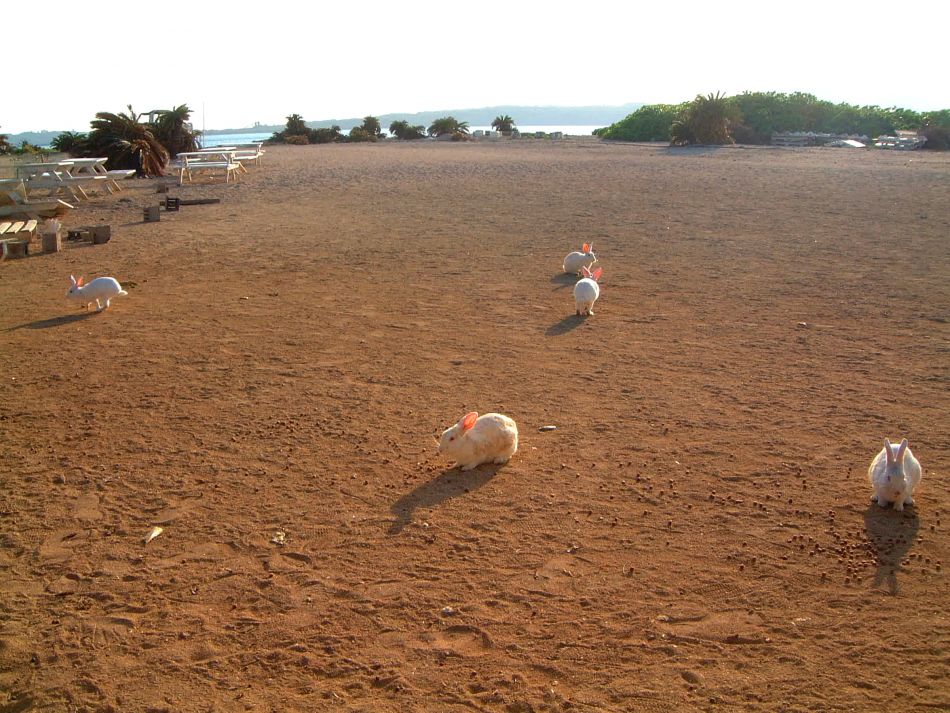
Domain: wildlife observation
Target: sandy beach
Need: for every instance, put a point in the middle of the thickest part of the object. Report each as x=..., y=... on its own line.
x=696, y=534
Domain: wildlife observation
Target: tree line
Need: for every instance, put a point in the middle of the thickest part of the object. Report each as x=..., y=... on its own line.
x=752, y=118
x=297, y=132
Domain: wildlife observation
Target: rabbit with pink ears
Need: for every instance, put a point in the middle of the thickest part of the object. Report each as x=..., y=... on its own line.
x=586, y=291
x=100, y=290
x=489, y=438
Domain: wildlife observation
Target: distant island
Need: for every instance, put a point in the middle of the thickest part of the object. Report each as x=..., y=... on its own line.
x=523, y=116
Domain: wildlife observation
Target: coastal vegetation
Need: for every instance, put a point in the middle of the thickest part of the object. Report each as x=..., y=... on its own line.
x=129, y=142
x=448, y=125
x=705, y=121
x=503, y=123
x=369, y=130
x=173, y=131
x=403, y=131
x=296, y=132
x=752, y=118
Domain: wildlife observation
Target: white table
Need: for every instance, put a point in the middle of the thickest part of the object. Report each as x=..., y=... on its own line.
x=94, y=170
x=14, y=202
x=53, y=168
x=53, y=176
x=88, y=166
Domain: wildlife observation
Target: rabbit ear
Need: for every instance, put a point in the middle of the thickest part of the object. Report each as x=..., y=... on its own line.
x=73, y=279
x=888, y=453
x=79, y=281
x=584, y=271
x=597, y=273
x=900, y=451
x=468, y=420
x=586, y=248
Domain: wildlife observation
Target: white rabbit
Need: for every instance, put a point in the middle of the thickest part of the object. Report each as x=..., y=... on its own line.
x=490, y=438
x=576, y=260
x=586, y=291
x=894, y=475
x=101, y=291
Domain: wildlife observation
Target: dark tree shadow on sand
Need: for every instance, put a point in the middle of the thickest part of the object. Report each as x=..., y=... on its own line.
x=55, y=321
x=449, y=484
x=892, y=534
x=570, y=322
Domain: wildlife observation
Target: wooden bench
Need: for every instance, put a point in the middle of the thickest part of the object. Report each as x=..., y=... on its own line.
x=15, y=238
x=249, y=154
x=10, y=228
x=119, y=174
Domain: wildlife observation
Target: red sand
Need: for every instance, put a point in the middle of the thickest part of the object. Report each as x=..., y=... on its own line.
x=696, y=535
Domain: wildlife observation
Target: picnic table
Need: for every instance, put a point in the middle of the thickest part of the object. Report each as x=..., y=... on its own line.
x=14, y=202
x=209, y=160
x=95, y=168
x=50, y=168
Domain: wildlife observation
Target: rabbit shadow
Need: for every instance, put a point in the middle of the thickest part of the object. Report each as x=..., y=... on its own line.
x=572, y=321
x=449, y=484
x=55, y=321
x=563, y=279
x=892, y=534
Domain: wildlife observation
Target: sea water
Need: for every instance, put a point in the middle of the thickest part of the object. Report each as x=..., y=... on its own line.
x=212, y=140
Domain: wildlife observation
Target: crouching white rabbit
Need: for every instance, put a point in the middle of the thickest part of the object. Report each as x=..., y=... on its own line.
x=576, y=260
x=894, y=473
x=586, y=291
x=490, y=438
x=100, y=290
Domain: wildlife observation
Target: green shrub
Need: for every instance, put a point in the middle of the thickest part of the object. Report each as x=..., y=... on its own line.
x=69, y=142
x=359, y=134
x=448, y=125
x=404, y=132
x=296, y=140
x=648, y=123
x=325, y=136
x=752, y=117
x=938, y=137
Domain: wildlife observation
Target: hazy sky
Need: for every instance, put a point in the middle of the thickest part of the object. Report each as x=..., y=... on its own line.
x=236, y=63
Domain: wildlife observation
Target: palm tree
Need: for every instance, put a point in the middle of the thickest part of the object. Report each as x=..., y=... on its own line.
x=295, y=125
x=404, y=132
x=70, y=142
x=127, y=142
x=705, y=121
x=5, y=146
x=371, y=126
x=448, y=125
x=172, y=129
x=504, y=124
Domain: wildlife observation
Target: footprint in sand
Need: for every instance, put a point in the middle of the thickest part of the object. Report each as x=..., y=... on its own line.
x=459, y=640
x=58, y=546
x=100, y=630
x=87, y=507
x=565, y=574
x=730, y=627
